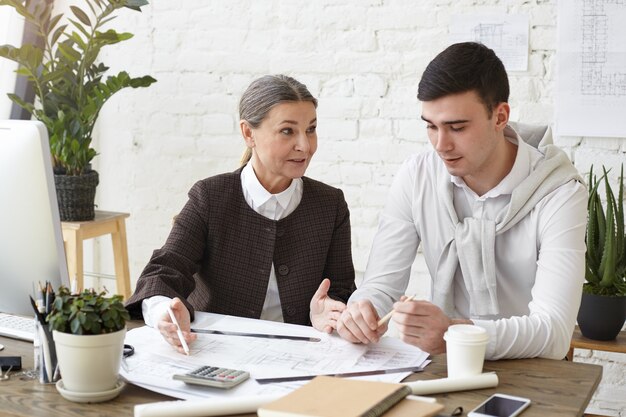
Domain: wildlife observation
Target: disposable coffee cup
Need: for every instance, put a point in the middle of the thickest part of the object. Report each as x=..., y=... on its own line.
x=465, y=347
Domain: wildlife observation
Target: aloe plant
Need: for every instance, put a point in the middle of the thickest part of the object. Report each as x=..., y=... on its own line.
x=605, y=266
x=66, y=78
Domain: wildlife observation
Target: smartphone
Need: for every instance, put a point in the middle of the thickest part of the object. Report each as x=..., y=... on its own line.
x=500, y=405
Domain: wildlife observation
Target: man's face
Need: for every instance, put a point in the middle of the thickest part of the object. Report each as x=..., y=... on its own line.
x=469, y=141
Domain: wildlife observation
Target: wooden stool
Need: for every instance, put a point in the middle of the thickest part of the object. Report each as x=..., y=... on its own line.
x=104, y=223
x=581, y=342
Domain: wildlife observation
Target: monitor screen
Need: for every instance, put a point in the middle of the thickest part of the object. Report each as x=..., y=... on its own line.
x=31, y=243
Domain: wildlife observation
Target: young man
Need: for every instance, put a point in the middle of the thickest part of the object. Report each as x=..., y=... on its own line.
x=501, y=223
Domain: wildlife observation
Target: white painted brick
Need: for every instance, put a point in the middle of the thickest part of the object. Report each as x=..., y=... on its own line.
x=367, y=85
x=354, y=40
x=375, y=128
x=355, y=175
x=349, y=107
x=407, y=129
x=524, y=88
x=611, y=144
x=399, y=17
x=542, y=37
x=336, y=87
x=337, y=129
x=219, y=124
x=328, y=172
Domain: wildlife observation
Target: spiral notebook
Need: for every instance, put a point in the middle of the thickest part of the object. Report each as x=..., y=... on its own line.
x=340, y=397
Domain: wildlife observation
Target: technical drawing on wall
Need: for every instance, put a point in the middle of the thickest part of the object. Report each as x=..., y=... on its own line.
x=506, y=34
x=591, y=79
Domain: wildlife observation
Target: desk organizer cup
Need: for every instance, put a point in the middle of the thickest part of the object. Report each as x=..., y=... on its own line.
x=45, y=358
x=465, y=347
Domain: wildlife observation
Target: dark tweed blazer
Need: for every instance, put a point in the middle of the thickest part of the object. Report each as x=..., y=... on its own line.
x=218, y=255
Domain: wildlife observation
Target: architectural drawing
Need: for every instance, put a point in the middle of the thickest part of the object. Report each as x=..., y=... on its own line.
x=154, y=361
x=591, y=78
x=597, y=76
x=506, y=34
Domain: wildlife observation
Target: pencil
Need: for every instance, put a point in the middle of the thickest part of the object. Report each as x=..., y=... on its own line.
x=178, y=331
x=388, y=315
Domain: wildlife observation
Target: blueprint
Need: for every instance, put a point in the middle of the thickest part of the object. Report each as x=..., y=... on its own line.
x=155, y=361
x=506, y=34
x=591, y=79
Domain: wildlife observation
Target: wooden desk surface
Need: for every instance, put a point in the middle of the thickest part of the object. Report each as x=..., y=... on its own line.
x=556, y=388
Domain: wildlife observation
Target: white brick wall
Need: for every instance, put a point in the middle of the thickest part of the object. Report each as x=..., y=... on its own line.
x=363, y=59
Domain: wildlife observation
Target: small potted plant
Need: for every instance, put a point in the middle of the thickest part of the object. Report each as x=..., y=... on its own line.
x=603, y=307
x=88, y=331
x=69, y=84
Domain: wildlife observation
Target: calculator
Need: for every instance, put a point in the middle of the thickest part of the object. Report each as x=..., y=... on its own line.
x=214, y=376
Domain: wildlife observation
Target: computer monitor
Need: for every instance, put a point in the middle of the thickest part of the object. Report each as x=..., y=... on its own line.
x=31, y=243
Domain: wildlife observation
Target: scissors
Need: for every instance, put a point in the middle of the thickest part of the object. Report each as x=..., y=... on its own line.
x=129, y=350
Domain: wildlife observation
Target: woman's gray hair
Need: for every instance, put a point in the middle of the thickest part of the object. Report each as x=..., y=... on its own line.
x=266, y=92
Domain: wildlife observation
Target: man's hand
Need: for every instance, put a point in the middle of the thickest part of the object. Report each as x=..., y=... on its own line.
x=168, y=329
x=423, y=324
x=324, y=310
x=359, y=323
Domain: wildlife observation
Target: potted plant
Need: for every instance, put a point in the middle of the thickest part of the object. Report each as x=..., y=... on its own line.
x=603, y=307
x=70, y=89
x=88, y=331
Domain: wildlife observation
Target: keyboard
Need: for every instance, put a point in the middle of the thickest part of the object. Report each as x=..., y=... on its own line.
x=17, y=327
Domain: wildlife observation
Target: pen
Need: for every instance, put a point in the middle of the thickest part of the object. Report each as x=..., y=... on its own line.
x=178, y=331
x=260, y=335
x=388, y=315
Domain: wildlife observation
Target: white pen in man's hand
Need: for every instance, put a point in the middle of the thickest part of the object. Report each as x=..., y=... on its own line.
x=178, y=331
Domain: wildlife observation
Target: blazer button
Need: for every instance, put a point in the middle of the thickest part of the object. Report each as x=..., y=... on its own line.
x=280, y=232
x=283, y=270
x=291, y=311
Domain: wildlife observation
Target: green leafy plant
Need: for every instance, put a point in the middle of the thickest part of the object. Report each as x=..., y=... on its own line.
x=67, y=81
x=605, y=270
x=87, y=313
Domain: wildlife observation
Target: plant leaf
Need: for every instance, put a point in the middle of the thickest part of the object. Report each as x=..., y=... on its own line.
x=80, y=15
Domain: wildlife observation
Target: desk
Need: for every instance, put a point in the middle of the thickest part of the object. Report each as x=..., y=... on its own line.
x=556, y=388
x=105, y=222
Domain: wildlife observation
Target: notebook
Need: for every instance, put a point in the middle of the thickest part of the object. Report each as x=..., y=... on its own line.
x=326, y=396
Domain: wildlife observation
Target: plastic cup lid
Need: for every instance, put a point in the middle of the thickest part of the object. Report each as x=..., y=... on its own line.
x=466, y=333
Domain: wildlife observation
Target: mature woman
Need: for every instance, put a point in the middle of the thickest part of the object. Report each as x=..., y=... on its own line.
x=258, y=242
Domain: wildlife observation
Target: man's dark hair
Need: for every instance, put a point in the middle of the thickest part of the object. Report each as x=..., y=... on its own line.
x=462, y=67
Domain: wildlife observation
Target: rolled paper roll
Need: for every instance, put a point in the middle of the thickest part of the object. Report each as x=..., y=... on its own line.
x=205, y=407
x=435, y=386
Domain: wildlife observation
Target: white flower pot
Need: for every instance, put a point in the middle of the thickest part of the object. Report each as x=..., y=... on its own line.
x=89, y=363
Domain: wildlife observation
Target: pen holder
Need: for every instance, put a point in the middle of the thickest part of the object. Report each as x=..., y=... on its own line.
x=45, y=356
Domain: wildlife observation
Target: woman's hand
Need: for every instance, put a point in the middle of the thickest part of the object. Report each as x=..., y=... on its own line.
x=169, y=331
x=324, y=310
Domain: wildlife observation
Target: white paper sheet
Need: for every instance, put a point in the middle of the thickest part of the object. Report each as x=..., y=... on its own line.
x=155, y=361
x=591, y=79
x=506, y=34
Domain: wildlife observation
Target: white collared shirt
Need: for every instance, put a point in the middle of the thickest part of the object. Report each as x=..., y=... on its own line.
x=271, y=206
x=539, y=261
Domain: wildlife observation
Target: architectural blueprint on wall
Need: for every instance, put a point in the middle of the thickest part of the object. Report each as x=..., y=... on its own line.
x=154, y=361
x=591, y=79
x=506, y=34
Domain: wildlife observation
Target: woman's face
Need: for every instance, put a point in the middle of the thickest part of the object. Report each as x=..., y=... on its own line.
x=283, y=145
